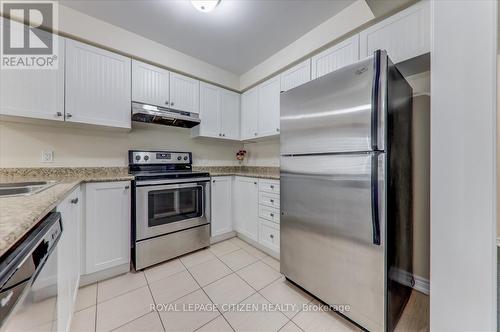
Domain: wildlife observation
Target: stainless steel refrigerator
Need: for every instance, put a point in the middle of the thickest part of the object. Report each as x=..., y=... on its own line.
x=346, y=190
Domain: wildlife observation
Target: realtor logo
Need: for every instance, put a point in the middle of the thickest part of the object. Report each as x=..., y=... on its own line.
x=27, y=39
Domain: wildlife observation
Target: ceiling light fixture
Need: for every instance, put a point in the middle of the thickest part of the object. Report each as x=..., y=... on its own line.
x=205, y=6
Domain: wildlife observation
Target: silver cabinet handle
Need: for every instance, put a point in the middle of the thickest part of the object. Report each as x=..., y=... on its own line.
x=59, y=114
x=69, y=115
x=74, y=201
x=127, y=187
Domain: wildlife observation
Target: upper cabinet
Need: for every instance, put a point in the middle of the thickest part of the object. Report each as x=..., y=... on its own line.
x=340, y=55
x=184, y=93
x=97, y=86
x=295, y=76
x=250, y=114
x=404, y=35
x=34, y=93
x=269, y=107
x=150, y=84
x=219, y=113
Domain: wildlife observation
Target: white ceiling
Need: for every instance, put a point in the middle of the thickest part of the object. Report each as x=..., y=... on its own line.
x=236, y=36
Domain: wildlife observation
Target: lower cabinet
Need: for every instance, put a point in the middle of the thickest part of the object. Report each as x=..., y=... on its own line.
x=106, y=231
x=68, y=257
x=221, y=204
x=269, y=235
x=246, y=207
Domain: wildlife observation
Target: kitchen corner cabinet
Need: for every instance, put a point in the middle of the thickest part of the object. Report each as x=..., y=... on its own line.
x=219, y=113
x=250, y=114
x=37, y=94
x=340, y=55
x=404, y=35
x=97, y=86
x=184, y=93
x=269, y=107
x=221, y=199
x=107, y=225
x=246, y=207
x=295, y=76
x=68, y=256
x=150, y=84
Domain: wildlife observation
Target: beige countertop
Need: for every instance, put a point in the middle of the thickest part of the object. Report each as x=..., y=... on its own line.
x=19, y=214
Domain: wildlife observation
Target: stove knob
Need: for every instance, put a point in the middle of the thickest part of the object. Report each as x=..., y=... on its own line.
x=137, y=157
x=146, y=158
x=179, y=158
x=185, y=158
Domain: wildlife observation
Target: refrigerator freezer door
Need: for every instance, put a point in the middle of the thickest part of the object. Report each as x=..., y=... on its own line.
x=332, y=113
x=327, y=231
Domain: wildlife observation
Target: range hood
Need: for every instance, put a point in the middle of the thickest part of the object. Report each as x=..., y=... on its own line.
x=163, y=116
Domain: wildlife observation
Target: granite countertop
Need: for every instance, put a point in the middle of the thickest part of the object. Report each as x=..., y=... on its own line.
x=19, y=214
x=248, y=171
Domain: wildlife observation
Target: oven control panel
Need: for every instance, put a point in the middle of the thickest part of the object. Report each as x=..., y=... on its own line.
x=159, y=157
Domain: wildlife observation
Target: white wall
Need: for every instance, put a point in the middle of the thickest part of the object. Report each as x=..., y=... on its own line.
x=21, y=145
x=463, y=197
x=347, y=20
x=265, y=153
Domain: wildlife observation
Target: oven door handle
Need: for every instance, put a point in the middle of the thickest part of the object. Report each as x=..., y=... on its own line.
x=159, y=182
x=170, y=186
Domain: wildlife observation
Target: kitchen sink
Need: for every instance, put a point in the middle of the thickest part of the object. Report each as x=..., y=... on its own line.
x=24, y=188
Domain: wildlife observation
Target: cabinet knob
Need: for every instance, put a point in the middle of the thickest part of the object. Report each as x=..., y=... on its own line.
x=272, y=200
x=278, y=130
x=255, y=183
x=220, y=135
x=272, y=187
x=255, y=134
x=172, y=104
x=59, y=114
x=127, y=187
x=271, y=214
x=74, y=201
x=271, y=236
x=166, y=103
x=69, y=115
x=213, y=181
x=223, y=135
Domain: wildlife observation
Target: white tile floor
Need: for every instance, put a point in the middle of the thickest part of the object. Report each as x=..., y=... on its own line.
x=195, y=291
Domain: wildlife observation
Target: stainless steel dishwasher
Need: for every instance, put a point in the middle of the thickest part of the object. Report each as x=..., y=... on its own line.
x=28, y=280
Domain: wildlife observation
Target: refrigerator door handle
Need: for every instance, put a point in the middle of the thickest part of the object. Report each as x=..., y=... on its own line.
x=375, y=199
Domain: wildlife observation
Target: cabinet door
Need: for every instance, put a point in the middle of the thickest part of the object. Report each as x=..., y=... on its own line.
x=69, y=254
x=404, y=35
x=107, y=225
x=340, y=55
x=230, y=114
x=209, y=111
x=150, y=84
x=184, y=93
x=296, y=75
x=269, y=107
x=246, y=215
x=34, y=93
x=250, y=114
x=221, y=205
x=98, y=86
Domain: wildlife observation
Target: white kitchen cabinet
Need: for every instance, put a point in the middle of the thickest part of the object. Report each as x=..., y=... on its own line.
x=35, y=94
x=221, y=205
x=269, y=107
x=337, y=56
x=295, y=76
x=250, y=114
x=150, y=84
x=230, y=114
x=107, y=225
x=184, y=93
x=404, y=35
x=98, y=86
x=219, y=113
x=68, y=256
x=245, y=207
x=269, y=235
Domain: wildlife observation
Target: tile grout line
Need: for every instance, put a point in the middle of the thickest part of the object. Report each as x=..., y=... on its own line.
x=209, y=299
x=96, y=303
x=154, y=301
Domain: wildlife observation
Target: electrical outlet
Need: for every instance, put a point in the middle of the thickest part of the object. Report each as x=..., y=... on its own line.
x=47, y=156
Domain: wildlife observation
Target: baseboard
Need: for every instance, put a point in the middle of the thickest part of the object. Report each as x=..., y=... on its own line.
x=222, y=237
x=259, y=246
x=88, y=279
x=421, y=284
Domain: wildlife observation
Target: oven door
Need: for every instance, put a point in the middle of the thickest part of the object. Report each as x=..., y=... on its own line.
x=167, y=208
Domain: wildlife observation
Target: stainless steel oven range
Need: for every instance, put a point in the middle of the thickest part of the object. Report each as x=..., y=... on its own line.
x=171, y=206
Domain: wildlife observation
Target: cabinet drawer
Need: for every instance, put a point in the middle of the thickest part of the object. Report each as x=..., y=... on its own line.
x=269, y=235
x=268, y=199
x=269, y=213
x=269, y=186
